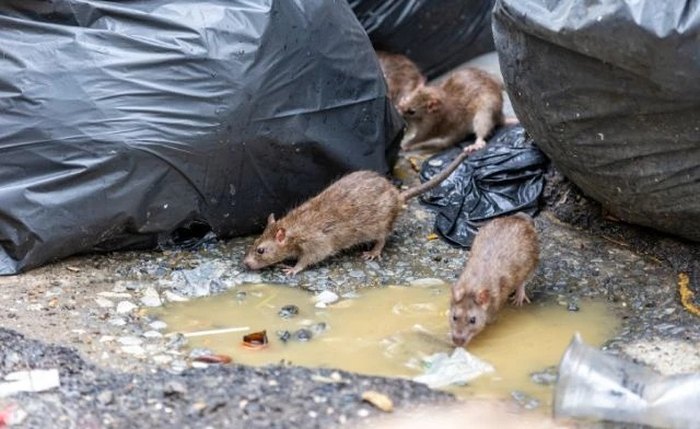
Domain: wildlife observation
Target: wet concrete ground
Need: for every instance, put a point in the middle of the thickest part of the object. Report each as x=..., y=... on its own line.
x=133, y=376
x=95, y=304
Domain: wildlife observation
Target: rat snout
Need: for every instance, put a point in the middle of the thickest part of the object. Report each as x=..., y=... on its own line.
x=459, y=340
x=250, y=264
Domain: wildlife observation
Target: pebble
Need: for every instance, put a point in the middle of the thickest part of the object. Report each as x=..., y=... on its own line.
x=151, y=298
x=357, y=274
x=288, y=311
x=324, y=298
x=106, y=397
x=106, y=339
x=162, y=359
x=428, y=281
x=303, y=335
x=174, y=297
x=117, y=321
x=158, y=325
x=524, y=400
x=125, y=307
x=572, y=306
x=152, y=334
x=363, y=412
x=174, y=387
x=546, y=377
x=104, y=302
x=134, y=350
x=130, y=341
x=114, y=295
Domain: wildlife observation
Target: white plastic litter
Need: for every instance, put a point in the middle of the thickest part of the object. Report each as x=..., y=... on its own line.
x=36, y=380
x=460, y=368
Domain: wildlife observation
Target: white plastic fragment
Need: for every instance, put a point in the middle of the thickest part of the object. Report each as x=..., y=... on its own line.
x=443, y=370
x=36, y=380
x=325, y=298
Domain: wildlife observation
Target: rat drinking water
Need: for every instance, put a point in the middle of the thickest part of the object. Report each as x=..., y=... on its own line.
x=503, y=257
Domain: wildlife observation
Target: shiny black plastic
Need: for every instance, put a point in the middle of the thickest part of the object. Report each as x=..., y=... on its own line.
x=123, y=122
x=505, y=178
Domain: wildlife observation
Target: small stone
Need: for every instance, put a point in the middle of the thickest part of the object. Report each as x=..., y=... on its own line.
x=524, y=400
x=199, y=365
x=572, y=306
x=177, y=341
x=117, y=321
x=324, y=298
x=130, y=341
x=319, y=328
x=363, y=412
x=241, y=296
x=125, y=307
x=152, y=334
x=162, y=359
x=288, y=311
x=106, y=397
x=313, y=414
x=158, y=325
x=356, y=274
x=303, y=335
x=174, y=297
x=425, y=282
x=199, y=352
x=134, y=350
x=151, y=298
x=284, y=336
x=104, y=303
x=173, y=387
x=546, y=377
x=106, y=339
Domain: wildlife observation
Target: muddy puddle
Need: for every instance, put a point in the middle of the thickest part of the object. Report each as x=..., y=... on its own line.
x=386, y=331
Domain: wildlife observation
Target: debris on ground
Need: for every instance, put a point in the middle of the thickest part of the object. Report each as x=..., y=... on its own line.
x=379, y=400
x=35, y=380
x=461, y=367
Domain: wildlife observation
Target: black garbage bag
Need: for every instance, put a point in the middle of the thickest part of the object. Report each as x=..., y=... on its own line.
x=437, y=35
x=611, y=93
x=124, y=122
x=505, y=178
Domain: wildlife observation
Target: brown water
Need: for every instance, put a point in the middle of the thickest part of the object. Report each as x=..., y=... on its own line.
x=386, y=331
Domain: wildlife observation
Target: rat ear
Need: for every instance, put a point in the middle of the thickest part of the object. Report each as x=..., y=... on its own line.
x=434, y=105
x=482, y=298
x=271, y=219
x=281, y=235
x=457, y=293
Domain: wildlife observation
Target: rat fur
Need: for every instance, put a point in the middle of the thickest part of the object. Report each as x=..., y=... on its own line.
x=438, y=116
x=360, y=207
x=401, y=74
x=503, y=257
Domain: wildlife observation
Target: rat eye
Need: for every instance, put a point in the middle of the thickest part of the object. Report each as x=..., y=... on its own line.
x=260, y=250
x=472, y=320
x=454, y=317
x=410, y=112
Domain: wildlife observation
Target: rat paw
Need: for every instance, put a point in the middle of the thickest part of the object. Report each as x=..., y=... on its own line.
x=480, y=144
x=371, y=256
x=519, y=298
x=290, y=271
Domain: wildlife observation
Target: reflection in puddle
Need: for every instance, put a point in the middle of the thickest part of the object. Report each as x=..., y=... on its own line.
x=386, y=332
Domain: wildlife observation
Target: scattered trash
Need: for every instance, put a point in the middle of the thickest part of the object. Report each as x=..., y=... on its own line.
x=73, y=269
x=443, y=370
x=546, y=377
x=524, y=400
x=219, y=358
x=335, y=377
x=288, y=311
x=174, y=388
x=325, y=298
x=256, y=340
x=379, y=400
x=432, y=236
x=12, y=415
x=210, y=332
x=687, y=294
x=594, y=385
x=505, y=178
x=36, y=380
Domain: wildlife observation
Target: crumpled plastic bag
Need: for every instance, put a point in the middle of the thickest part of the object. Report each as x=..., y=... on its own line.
x=443, y=370
x=505, y=178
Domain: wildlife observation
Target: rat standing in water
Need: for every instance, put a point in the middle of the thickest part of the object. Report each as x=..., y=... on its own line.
x=503, y=257
x=438, y=116
x=361, y=207
x=401, y=74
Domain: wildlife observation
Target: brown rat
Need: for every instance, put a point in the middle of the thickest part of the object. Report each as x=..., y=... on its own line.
x=401, y=74
x=360, y=207
x=438, y=116
x=503, y=257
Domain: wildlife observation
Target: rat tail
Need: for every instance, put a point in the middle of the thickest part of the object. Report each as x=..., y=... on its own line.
x=436, y=179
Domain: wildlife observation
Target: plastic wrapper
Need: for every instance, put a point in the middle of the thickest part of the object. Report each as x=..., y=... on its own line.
x=437, y=35
x=594, y=385
x=610, y=92
x=459, y=368
x=133, y=124
x=505, y=178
